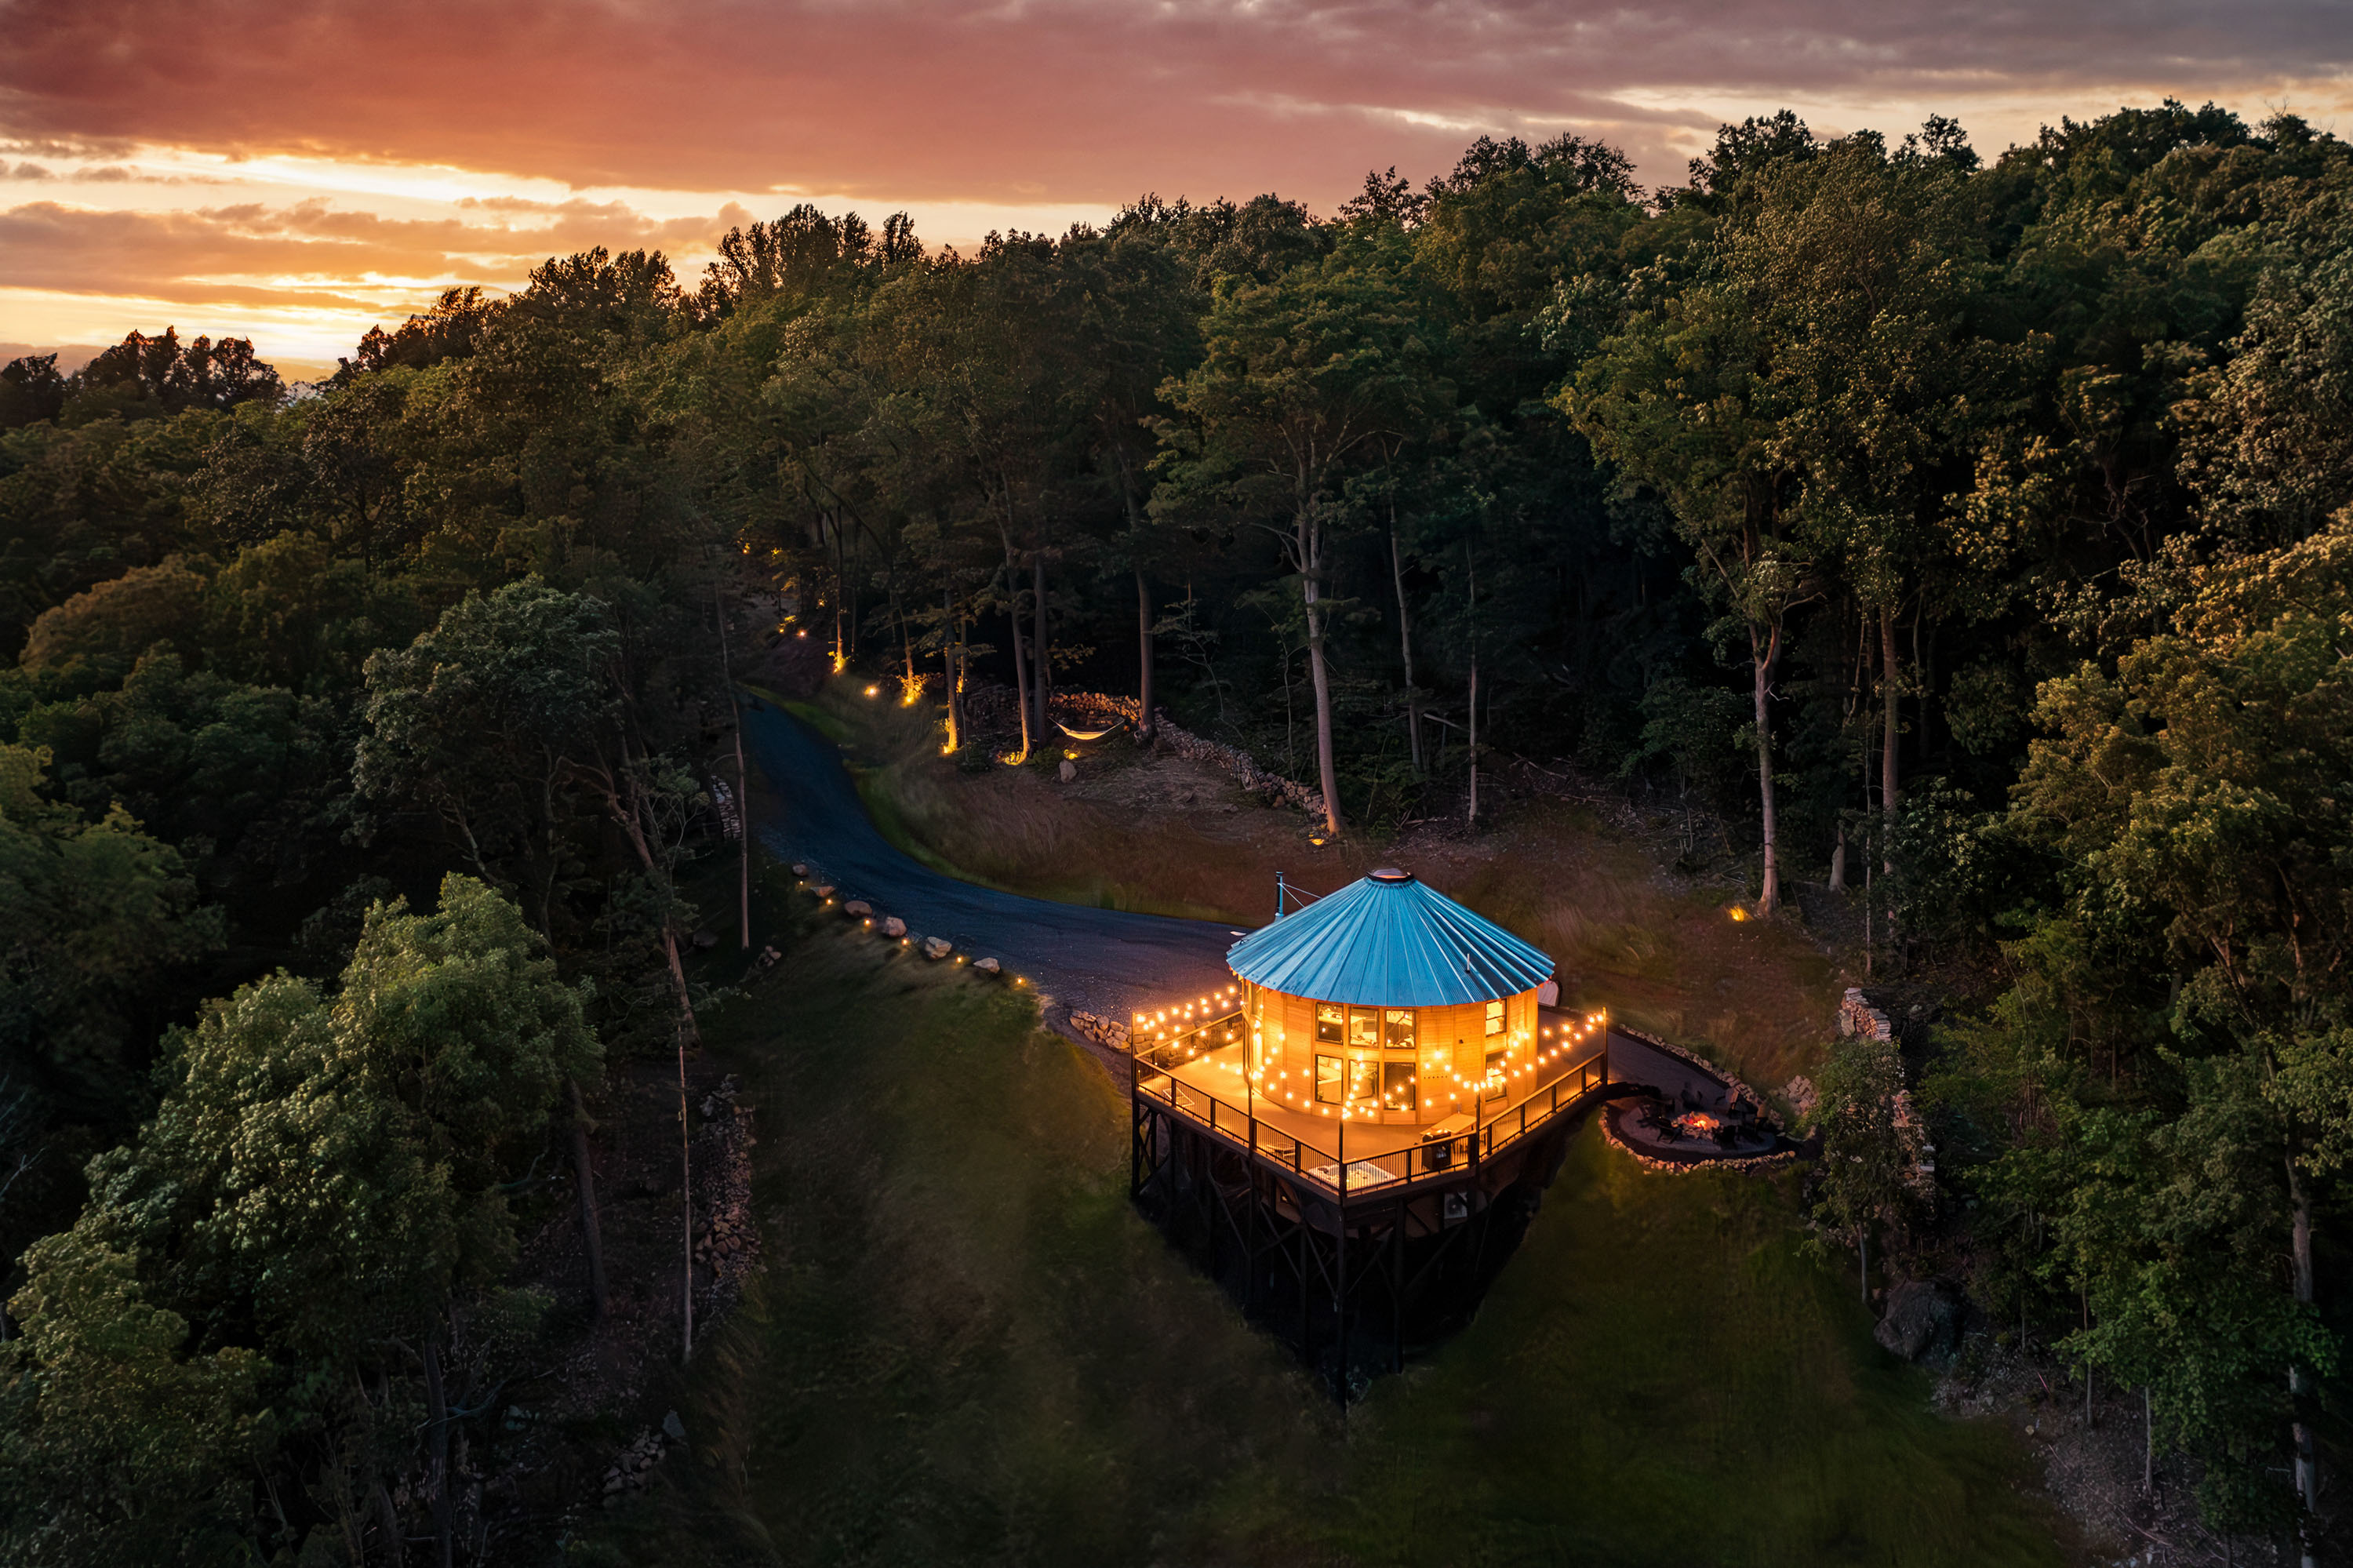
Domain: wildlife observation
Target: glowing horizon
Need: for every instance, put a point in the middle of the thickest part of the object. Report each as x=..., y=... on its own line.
x=227, y=168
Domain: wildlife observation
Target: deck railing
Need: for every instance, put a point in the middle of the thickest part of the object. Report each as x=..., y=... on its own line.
x=1239, y=1122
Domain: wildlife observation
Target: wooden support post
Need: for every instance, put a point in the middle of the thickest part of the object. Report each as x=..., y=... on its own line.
x=1397, y=1290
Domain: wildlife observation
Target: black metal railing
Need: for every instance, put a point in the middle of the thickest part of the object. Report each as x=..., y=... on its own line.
x=1153, y=1067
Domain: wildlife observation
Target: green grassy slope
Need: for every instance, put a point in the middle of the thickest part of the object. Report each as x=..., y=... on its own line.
x=967, y=1348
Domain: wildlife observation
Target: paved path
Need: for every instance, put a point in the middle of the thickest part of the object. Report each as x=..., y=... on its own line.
x=1104, y=961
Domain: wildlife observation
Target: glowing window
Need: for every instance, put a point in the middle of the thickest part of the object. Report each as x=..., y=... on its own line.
x=1365, y=1028
x=1494, y=1084
x=1397, y=1028
x=1331, y=1024
x=1327, y=1079
x=1364, y=1082
x=1494, y=1018
x=1397, y=1086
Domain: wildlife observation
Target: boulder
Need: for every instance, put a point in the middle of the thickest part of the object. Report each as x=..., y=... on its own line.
x=937, y=948
x=858, y=909
x=1068, y=771
x=799, y=869
x=894, y=926
x=706, y=940
x=987, y=966
x=1923, y=1323
x=823, y=890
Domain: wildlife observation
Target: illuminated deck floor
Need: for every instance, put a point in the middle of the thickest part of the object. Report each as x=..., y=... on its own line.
x=1219, y=1076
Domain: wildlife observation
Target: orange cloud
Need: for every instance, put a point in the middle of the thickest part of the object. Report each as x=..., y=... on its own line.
x=1064, y=100
x=130, y=116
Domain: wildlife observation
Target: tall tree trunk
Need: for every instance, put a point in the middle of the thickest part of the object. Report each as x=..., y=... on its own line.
x=591, y=1235
x=1143, y=697
x=2299, y=1386
x=1471, y=742
x=1310, y=558
x=1763, y=651
x=1013, y=620
x=951, y=657
x=437, y=1448
x=1837, y=860
x=1891, y=725
x=1405, y=646
x=1040, y=644
x=742, y=782
x=1471, y=734
x=686, y=1212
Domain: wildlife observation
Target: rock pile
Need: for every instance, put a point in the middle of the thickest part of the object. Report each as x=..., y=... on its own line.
x=635, y=1466
x=1923, y=1323
x=1245, y=770
x=1858, y=1017
x=1102, y=1031
x=726, y=1242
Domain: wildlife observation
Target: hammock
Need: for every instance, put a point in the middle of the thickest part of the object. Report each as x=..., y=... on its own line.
x=1111, y=728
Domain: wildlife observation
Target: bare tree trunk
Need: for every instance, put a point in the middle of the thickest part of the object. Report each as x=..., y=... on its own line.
x=742, y=782
x=1763, y=651
x=1470, y=736
x=1013, y=618
x=686, y=1209
x=1041, y=645
x=950, y=658
x=592, y=1238
x=1311, y=559
x=1837, y=860
x=437, y=1448
x=1891, y=726
x=1143, y=697
x=1405, y=645
x=1471, y=742
x=2299, y=1387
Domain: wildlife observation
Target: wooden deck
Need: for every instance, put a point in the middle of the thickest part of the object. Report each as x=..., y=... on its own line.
x=1210, y=1087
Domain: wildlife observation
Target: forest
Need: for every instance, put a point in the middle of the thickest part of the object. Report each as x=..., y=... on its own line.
x=1964, y=541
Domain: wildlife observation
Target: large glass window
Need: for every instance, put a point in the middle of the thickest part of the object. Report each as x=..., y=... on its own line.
x=1331, y=1024
x=1397, y=1028
x=1365, y=1028
x=1327, y=1079
x=1494, y=1018
x=1397, y=1086
x=1495, y=1089
x=1364, y=1082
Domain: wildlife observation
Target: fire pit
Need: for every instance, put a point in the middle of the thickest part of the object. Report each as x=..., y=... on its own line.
x=1698, y=1124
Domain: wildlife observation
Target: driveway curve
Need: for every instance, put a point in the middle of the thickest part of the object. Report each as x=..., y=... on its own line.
x=1104, y=961
x=1107, y=961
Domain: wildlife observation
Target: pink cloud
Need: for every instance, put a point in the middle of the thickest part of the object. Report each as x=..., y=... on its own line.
x=1066, y=101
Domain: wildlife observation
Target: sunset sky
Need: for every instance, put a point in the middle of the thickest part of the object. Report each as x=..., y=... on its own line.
x=294, y=173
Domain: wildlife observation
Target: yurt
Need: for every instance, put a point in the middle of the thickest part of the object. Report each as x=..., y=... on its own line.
x=1389, y=1002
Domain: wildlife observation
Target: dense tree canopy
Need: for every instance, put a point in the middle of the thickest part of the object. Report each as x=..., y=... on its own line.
x=1981, y=522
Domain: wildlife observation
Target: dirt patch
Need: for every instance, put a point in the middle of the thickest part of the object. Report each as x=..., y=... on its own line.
x=575, y=1435
x=2095, y=1463
x=1581, y=870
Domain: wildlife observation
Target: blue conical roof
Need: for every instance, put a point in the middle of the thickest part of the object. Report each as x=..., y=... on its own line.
x=1389, y=941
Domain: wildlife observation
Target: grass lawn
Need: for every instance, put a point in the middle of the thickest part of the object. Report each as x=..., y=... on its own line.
x=1660, y=951
x=965, y=1347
